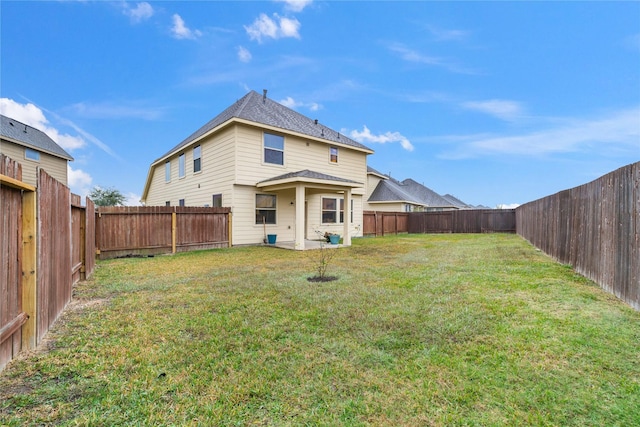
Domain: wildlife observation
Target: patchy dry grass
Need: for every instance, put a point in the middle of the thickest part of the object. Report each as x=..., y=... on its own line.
x=418, y=330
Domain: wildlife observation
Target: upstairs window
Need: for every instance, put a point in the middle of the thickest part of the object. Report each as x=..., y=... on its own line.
x=31, y=154
x=273, y=149
x=265, y=209
x=167, y=171
x=181, y=166
x=197, y=163
x=333, y=154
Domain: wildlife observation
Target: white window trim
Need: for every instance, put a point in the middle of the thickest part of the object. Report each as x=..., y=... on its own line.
x=338, y=211
x=182, y=165
x=196, y=158
x=35, y=152
x=264, y=148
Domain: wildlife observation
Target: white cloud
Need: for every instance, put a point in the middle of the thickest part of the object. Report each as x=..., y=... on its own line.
x=507, y=205
x=367, y=136
x=132, y=199
x=414, y=56
x=139, y=13
x=79, y=181
x=243, y=54
x=181, y=31
x=502, y=109
x=296, y=5
x=265, y=27
x=293, y=104
x=618, y=132
x=33, y=116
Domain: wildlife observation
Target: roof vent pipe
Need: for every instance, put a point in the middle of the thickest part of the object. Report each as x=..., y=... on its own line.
x=264, y=95
x=316, y=121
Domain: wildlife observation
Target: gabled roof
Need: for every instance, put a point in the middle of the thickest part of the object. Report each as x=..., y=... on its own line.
x=23, y=134
x=372, y=171
x=456, y=202
x=258, y=108
x=389, y=190
x=426, y=195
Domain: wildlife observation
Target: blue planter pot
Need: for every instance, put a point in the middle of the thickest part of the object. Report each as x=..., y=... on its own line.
x=334, y=239
x=271, y=239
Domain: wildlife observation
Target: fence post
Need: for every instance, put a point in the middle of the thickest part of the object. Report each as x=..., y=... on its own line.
x=29, y=267
x=229, y=219
x=174, y=225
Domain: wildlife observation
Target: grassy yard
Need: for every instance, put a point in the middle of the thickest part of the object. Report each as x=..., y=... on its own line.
x=418, y=330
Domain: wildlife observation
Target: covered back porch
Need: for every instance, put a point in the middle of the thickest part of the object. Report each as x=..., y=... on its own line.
x=305, y=184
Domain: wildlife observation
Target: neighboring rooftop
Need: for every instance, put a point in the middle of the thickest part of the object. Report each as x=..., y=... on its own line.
x=456, y=202
x=426, y=195
x=18, y=132
x=391, y=190
x=260, y=109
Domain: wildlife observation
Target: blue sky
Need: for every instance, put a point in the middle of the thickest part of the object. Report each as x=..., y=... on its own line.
x=496, y=103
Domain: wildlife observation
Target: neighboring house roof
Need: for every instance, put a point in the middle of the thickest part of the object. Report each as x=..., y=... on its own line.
x=258, y=108
x=20, y=133
x=426, y=195
x=389, y=190
x=456, y=202
x=372, y=171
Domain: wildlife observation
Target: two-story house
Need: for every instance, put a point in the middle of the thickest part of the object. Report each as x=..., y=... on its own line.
x=32, y=148
x=280, y=172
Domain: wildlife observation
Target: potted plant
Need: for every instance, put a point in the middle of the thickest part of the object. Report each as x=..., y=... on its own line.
x=332, y=238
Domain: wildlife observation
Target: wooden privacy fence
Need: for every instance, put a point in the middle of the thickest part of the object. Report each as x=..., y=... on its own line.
x=44, y=250
x=377, y=223
x=463, y=221
x=595, y=228
x=150, y=230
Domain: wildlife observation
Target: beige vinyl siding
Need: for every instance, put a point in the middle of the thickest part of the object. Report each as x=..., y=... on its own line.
x=386, y=207
x=245, y=229
x=197, y=189
x=54, y=166
x=372, y=183
x=299, y=154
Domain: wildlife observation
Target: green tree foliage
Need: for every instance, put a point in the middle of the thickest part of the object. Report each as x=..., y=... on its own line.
x=106, y=197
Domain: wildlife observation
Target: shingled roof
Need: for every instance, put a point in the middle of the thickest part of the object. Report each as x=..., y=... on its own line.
x=426, y=195
x=310, y=175
x=23, y=134
x=389, y=190
x=260, y=109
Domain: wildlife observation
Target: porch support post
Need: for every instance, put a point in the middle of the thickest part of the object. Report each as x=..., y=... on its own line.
x=300, y=225
x=346, y=240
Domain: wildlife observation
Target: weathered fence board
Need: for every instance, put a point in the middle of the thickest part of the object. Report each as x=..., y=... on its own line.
x=595, y=228
x=463, y=221
x=379, y=223
x=54, y=247
x=149, y=230
x=11, y=259
x=43, y=252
